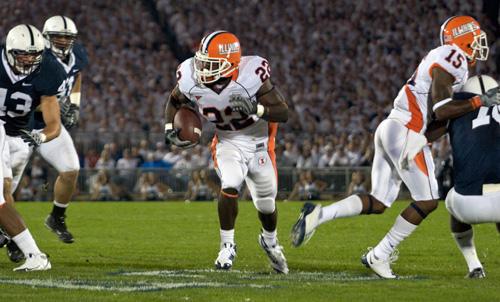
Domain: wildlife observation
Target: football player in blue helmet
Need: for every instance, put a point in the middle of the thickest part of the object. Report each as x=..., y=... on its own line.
x=28, y=80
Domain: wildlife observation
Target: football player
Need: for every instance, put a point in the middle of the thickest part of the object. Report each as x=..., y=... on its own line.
x=475, y=197
x=429, y=92
x=27, y=80
x=61, y=33
x=237, y=95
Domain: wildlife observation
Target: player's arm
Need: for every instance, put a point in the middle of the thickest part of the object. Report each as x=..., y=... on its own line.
x=435, y=130
x=175, y=100
x=51, y=117
x=71, y=116
x=445, y=107
x=271, y=105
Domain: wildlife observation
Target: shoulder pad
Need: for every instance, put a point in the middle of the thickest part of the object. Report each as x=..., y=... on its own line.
x=185, y=76
x=451, y=59
x=254, y=71
x=81, y=56
x=50, y=75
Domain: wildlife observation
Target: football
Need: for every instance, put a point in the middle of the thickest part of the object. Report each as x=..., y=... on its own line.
x=189, y=124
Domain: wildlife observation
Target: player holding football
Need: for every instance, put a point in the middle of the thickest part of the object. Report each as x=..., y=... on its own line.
x=475, y=197
x=61, y=33
x=236, y=94
x=428, y=93
x=27, y=80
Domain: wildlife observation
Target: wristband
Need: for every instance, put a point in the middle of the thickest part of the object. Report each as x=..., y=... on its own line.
x=260, y=110
x=169, y=126
x=476, y=102
x=75, y=98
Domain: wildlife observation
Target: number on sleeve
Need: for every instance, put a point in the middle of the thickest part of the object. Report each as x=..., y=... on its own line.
x=457, y=62
x=263, y=71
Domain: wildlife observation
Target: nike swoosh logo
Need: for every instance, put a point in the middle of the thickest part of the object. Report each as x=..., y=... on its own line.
x=26, y=84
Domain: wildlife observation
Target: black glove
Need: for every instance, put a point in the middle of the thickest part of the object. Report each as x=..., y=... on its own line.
x=491, y=97
x=242, y=104
x=172, y=137
x=34, y=139
x=71, y=117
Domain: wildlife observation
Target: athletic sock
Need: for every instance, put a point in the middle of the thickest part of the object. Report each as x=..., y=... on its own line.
x=26, y=243
x=465, y=243
x=270, y=238
x=399, y=231
x=348, y=207
x=59, y=209
x=226, y=236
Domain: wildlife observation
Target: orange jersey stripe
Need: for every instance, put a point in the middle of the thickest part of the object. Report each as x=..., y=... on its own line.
x=420, y=161
x=273, y=130
x=417, y=120
x=213, y=148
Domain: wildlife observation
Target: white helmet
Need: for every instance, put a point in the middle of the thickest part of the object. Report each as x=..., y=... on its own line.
x=61, y=33
x=479, y=84
x=23, y=48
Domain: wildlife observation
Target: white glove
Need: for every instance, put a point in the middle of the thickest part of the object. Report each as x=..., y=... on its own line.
x=415, y=142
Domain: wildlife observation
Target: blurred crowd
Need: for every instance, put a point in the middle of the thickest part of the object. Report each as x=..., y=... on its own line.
x=339, y=63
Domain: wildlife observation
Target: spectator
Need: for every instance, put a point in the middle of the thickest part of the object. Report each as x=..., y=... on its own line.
x=358, y=184
x=102, y=190
x=307, y=188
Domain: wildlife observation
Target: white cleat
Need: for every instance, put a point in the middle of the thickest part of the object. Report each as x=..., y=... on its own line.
x=306, y=225
x=381, y=267
x=275, y=255
x=226, y=256
x=35, y=262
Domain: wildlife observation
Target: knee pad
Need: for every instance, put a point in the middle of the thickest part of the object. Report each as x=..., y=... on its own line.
x=265, y=205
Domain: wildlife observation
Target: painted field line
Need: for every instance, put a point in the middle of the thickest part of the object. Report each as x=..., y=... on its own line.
x=120, y=286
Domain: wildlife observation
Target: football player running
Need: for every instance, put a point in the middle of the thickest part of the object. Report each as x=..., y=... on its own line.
x=427, y=93
x=60, y=153
x=475, y=197
x=236, y=94
x=27, y=80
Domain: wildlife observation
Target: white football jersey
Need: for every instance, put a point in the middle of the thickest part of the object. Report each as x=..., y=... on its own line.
x=413, y=105
x=240, y=129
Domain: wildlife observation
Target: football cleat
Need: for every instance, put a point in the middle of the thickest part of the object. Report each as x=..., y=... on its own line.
x=58, y=226
x=305, y=226
x=13, y=252
x=35, y=262
x=226, y=256
x=381, y=267
x=477, y=273
x=275, y=255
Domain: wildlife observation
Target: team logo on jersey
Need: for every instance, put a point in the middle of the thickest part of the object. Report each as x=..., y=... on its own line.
x=225, y=49
x=262, y=161
x=197, y=97
x=464, y=29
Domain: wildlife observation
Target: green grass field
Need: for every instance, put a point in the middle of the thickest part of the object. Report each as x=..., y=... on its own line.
x=165, y=252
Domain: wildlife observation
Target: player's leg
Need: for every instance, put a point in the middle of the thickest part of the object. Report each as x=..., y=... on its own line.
x=14, y=225
x=420, y=180
x=231, y=168
x=61, y=154
x=262, y=183
x=16, y=155
x=385, y=189
x=466, y=210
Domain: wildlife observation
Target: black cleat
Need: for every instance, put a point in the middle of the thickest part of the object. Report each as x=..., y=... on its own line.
x=14, y=253
x=58, y=226
x=477, y=273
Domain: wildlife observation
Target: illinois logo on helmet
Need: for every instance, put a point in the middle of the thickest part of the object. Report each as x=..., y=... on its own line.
x=465, y=32
x=218, y=57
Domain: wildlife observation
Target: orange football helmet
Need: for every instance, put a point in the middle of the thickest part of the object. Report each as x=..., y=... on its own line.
x=218, y=57
x=465, y=32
